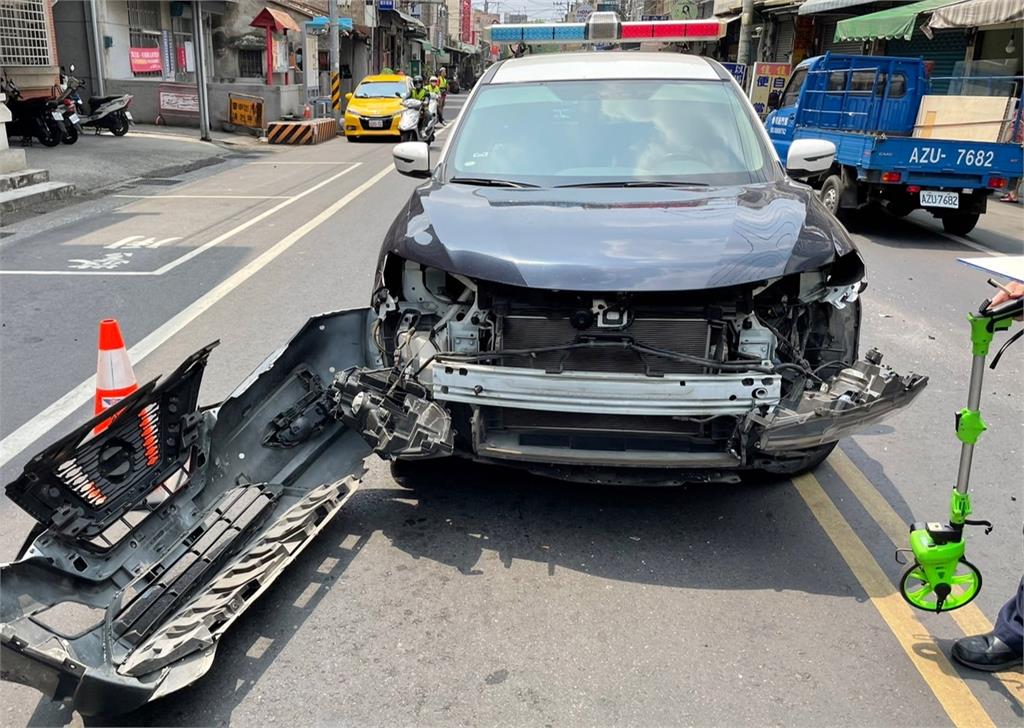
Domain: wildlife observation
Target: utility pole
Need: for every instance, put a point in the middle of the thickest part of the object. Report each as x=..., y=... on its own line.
x=97, y=54
x=746, y=29
x=199, y=51
x=332, y=9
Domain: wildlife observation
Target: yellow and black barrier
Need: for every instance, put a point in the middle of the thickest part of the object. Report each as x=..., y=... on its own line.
x=335, y=90
x=307, y=131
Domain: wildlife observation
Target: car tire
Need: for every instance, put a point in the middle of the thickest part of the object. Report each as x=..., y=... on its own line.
x=351, y=138
x=831, y=193
x=424, y=474
x=960, y=223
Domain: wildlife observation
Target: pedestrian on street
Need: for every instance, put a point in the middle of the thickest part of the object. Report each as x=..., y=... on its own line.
x=1003, y=647
x=442, y=82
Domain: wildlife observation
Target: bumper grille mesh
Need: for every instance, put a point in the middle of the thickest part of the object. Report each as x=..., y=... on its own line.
x=686, y=336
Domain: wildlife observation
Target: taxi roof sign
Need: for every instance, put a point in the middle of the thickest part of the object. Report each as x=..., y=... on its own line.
x=605, y=27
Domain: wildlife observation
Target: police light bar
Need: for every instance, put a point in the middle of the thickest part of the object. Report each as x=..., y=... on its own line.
x=605, y=27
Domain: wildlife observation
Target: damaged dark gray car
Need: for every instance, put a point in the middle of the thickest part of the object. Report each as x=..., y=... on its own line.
x=594, y=284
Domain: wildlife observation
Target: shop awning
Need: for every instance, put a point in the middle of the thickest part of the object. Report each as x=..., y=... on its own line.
x=977, y=14
x=812, y=7
x=412, y=23
x=277, y=20
x=898, y=22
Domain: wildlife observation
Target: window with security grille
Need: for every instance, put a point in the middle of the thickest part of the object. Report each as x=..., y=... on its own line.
x=24, y=40
x=144, y=30
x=250, y=64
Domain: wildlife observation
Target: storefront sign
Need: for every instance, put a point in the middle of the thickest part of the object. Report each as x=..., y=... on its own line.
x=144, y=60
x=386, y=4
x=466, y=22
x=181, y=102
x=767, y=77
x=246, y=111
x=738, y=71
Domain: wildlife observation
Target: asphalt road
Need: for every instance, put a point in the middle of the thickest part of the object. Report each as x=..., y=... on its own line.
x=491, y=597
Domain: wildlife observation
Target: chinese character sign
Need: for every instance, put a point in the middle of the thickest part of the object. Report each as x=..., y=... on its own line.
x=144, y=60
x=767, y=77
x=738, y=71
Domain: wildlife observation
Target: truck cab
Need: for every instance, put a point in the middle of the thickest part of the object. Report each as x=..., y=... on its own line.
x=850, y=93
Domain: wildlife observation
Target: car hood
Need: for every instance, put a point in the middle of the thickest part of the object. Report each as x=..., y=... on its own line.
x=618, y=239
x=374, y=107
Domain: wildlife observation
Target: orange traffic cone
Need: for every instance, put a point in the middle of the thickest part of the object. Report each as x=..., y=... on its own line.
x=115, y=379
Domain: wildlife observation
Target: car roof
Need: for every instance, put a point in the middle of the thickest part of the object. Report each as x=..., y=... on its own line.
x=604, y=65
x=384, y=77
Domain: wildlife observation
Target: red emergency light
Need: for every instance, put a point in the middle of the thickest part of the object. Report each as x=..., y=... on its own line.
x=664, y=30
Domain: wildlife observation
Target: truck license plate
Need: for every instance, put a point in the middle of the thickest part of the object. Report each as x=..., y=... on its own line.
x=376, y=123
x=933, y=198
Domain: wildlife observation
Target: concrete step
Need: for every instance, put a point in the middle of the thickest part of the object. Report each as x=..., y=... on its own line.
x=23, y=178
x=23, y=197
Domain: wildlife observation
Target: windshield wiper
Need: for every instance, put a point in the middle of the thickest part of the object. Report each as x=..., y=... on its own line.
x=489, y=182
x=638, y=183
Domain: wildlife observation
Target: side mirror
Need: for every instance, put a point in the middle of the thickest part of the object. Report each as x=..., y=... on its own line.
x=348, y=96
x=808, y=157
x=774, y=100
x=412, y=159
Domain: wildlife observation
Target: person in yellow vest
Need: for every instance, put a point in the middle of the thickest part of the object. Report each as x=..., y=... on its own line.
x=442, y=82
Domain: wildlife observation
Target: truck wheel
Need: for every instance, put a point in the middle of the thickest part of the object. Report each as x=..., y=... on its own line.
x=960, y=223
x=831, y=192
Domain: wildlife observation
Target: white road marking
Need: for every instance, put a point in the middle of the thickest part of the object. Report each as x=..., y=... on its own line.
x=205, y=197
x=970, y=243
x=198, y=250
x=54, y=414
x=277, y=163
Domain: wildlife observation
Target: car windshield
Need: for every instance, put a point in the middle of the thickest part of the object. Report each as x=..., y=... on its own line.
x=602, y=132
x=381, y=90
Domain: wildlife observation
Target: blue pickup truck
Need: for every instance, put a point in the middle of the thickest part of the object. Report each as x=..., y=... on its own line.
x=867, y=106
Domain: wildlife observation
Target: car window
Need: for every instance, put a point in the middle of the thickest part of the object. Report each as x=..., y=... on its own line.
x=898, y=86
x=382, y=90
x=578, y=132
x=792, y=92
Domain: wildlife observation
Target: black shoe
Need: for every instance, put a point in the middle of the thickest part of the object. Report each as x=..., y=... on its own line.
x=985, y=652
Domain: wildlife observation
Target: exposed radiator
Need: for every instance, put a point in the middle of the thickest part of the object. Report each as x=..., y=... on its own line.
x=686, y=336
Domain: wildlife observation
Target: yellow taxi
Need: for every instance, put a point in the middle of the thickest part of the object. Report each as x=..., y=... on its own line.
x=375, y=106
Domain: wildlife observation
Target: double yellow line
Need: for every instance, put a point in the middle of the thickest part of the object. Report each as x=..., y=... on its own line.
x=952, y=692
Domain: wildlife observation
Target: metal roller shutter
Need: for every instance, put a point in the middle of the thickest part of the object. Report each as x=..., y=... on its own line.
x=785, y=34
x=845, y=46
x=946, y=49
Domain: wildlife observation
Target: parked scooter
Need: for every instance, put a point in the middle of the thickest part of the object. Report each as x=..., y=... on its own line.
x=105, y=112
x=72, y=123
x=418, y=124
x=35, y=117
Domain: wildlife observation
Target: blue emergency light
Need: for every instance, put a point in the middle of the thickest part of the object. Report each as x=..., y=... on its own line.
x=605, y=27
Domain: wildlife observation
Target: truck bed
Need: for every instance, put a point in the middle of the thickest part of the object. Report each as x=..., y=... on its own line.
x=933, y=162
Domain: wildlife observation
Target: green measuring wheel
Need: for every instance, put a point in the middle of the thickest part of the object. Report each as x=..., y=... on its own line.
x=951, y=593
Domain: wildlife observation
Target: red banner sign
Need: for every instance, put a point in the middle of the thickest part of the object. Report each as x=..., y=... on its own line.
x=144, y=60
x=466, y=24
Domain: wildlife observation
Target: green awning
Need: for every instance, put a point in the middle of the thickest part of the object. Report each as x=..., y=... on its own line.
x=898, y=22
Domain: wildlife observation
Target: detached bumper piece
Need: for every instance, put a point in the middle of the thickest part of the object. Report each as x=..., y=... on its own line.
x=859, y=395
x=163, y=529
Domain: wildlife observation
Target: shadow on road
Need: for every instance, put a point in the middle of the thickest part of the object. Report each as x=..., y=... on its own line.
x=756, y=536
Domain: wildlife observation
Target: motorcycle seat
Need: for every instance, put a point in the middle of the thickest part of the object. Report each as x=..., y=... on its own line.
x=97, y=100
